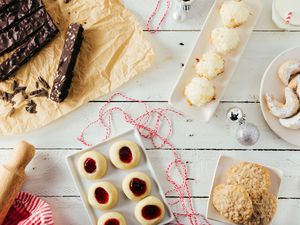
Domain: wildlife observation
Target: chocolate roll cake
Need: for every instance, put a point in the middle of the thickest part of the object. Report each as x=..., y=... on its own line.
x=64, y=74
x=18, y=11
x=20, y=33
x=27, y=50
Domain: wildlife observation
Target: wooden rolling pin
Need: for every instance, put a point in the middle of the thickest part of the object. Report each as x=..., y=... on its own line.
x=12, y=176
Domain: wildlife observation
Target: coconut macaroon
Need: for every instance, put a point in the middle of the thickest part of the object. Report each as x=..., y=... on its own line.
x=234, y=13
x=210, y=65
x=199, y=91
x=225, y=39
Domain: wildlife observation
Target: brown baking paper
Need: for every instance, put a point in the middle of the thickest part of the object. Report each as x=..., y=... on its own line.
x=114, y=50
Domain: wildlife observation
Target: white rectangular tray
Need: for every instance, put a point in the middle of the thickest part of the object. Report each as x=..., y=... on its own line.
x=213, y=20
x=124, y=205
x=224, y=163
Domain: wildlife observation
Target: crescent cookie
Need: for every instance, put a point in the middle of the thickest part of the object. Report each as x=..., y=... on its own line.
x=92, y=165
x=287, y=70
x=149, y=211
x=125, y=154
x=210, y=65
x=225, y=39
x=264, y=206
x=136, y=186
x=234, y=13
x=233, y=202
x=250, y=175
x=103, y=195
x=292, y=122
x=112, y=218
x=288, y=109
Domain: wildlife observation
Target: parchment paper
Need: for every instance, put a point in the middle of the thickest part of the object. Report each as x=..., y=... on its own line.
x=114, y=50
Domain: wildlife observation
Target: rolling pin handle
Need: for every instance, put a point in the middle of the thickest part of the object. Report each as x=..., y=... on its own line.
x=21, y=156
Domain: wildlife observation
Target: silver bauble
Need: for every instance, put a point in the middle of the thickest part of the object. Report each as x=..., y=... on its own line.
x=247, y=134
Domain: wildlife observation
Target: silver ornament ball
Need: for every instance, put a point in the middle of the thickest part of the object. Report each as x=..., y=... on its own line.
x=235, y=114
x=247, y=134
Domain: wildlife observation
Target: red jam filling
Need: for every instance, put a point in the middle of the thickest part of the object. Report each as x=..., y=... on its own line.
x=112, y=221
x=90, y=165
x=125, y=154
x=101, y=195
x=137, y=186
x=150, y=212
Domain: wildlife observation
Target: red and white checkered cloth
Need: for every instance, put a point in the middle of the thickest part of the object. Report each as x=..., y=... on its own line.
x=29, y=210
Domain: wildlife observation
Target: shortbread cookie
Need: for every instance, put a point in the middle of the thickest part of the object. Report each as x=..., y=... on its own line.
x=149, y=211
x=125, y=154
x=225, y=39
x=210, y=65
x=234, y=13
x=103, y=195
x=112, y=218
x=233, y=202
x=92, y=165
x=250, y=175
x=264, y=206
x=136, y=186
x=199, y=91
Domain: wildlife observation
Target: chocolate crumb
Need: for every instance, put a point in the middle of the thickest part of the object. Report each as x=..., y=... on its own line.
x=12, y=111
x=19, y=89
x=15, y=85
x=43, y=82
x=37, y=85
x=31, y=107
x=25, y=95
x=39, y=93
x=67, y=1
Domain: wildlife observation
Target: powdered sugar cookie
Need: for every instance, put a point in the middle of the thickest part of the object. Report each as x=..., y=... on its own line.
x=233, y=202
x=250, y=175
x=287, y=70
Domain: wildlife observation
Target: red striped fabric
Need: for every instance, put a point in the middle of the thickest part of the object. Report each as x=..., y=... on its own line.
x=29, y=210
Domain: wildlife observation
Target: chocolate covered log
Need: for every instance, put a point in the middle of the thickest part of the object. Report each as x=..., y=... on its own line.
x=64, y=74
x=18, y=11
x=20, y=33
x=27, y=50
x=5, y=4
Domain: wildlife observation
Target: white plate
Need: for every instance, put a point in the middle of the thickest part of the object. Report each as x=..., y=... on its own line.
x=280, y=22
x=213, y=20
x=124, y=205
x=271, y=84
x=224, y=163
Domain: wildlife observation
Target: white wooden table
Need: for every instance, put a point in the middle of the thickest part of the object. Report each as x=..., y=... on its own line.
x=199, y=144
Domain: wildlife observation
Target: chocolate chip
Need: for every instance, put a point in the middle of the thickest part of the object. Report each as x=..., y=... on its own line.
x=37, y=85
x=39, y=93
x=11, y=112
x=14, y=85
x=43, y=82
x=31, y=107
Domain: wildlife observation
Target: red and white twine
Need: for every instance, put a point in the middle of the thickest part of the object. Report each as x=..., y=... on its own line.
x=288, y=18
x=168, y=3
x=149, y=124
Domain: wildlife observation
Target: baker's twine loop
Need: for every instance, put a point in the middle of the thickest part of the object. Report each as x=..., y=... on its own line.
x=168, y=3
x=148, y=125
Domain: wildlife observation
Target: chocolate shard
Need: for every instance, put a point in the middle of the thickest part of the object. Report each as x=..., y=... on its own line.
x=43, y=82
x=64, y=74
x=24, y=53
x=17, y=12
x=20, y=33
x=5, y=4
x=31, y=107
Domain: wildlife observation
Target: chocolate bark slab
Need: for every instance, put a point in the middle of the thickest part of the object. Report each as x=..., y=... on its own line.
x=19, y=34
x=17, y=12
x=5, y=4
x=64, y=74
x=27, y=50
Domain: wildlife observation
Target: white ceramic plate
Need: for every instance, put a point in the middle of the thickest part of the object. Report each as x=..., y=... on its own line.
x=124, y=205
x=213, y=20
x=277, y=19
x=224, y=163
x=271, y=84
